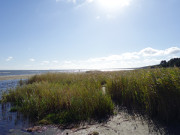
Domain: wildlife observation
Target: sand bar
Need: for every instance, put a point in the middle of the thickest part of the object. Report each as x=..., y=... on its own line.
x=14, y=77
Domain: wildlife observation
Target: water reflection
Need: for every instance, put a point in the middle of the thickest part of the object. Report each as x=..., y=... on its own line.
x=10, y=120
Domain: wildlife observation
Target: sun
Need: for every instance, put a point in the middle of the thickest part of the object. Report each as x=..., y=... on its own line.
x=113, y=5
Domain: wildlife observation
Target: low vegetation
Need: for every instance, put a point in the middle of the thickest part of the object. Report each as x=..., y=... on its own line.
x=72, y=97
x=175, y=62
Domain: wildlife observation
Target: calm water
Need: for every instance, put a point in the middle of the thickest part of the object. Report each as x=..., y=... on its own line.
x=10, y=120
x=28, y=72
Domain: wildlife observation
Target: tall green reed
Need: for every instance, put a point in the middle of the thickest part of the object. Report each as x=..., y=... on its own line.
x=157, y=91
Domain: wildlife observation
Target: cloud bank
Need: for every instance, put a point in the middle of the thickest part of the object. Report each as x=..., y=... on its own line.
x=145, y=57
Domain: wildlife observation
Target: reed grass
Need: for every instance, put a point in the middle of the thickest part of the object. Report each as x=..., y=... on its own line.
x=157, y=91
x=61, y=98
x=69, y=97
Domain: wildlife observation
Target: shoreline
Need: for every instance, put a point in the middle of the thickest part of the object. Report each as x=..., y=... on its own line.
x=14, y=77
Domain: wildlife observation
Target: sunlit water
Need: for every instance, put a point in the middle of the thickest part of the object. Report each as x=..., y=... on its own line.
x=29, y=72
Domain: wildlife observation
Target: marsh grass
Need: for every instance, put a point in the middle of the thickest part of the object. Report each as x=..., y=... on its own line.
x=157, y=91
x=72, y=97
x=61, y=98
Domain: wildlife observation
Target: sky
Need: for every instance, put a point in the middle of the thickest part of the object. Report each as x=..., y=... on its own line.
x=87, y=34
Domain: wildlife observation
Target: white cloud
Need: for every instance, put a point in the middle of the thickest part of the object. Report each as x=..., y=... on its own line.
x=89, y=1
x=113, y=5
x=74, y=1
x=45, y=62
x=109, y=9
x=67, y=62
x=107, y=5
x=110, y=16
x=148, y=51
x=97, y=17
x=55, y=61
x=144, y=57
x=172, y=50
x=32, y=60
x=153, y=52
x=9, y=58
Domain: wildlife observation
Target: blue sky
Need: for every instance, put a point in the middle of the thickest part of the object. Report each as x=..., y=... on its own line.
x=91, y=34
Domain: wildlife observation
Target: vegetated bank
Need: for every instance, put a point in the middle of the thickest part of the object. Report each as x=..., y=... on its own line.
x=64, y=98
x=174, y=62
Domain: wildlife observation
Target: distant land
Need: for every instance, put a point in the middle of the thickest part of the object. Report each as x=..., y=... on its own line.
x=175, y=62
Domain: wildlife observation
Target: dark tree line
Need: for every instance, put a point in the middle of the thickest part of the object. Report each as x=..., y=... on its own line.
x=175, y=62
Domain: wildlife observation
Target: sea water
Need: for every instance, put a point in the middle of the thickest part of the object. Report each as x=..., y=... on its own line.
x=10, y=120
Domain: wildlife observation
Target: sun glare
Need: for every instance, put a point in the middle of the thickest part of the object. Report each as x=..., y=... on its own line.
x=113, y=5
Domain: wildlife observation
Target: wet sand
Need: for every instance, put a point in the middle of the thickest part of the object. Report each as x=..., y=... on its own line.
x=120, y=124
x=14, y=77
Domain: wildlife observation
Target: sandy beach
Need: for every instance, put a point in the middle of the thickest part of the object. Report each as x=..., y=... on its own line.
x=120, y=124
x=14, y=77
